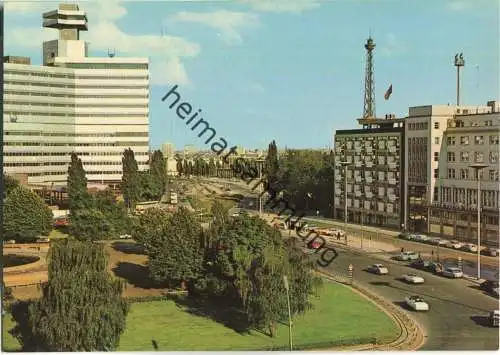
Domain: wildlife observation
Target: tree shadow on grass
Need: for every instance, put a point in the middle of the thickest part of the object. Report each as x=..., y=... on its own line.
x=128, y=248
x=229, y=316
x=136, y=275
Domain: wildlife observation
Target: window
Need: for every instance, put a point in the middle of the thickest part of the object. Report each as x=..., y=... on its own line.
x=493, y=157
x=451, y=173
x=464, y=174
x=493, y=139
x=464, y=140
x=436, y=156
x=436, y=140
x=436, y=125
x=464, y=156
x=451, y=140
x=493, y=175
x=478, y=157
x=436, y=173
x=479, y=140
x=451, y=156
x=488, y=123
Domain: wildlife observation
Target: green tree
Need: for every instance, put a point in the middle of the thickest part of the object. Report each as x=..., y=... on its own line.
x=180, y=166
x=130, y=179
x=176, y=254
x=271, y=167
x=81, y=308
x=25, y=215
x=77, y=185
x=150, y=225
x=115, y=212
x=158, y=172
x=91, y=224
x=185, y=168
x=9, y=184
x=212, y=168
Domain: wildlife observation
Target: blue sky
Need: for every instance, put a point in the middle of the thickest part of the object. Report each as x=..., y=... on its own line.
x=289, y=70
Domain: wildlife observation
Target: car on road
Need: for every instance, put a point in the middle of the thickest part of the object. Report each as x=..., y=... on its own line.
x=490, y=251
x=494, y=318
x=404, y=235
x=453, y=273
x=417, y=303
x=125, y=236
x=454, y=244
x=378, y=269
x=433, y=241
x=427, y=266
x=469, y=247
x=421, y=238
x=412, y=278
x=407, y=256
x=443, y=242
x=489, y=286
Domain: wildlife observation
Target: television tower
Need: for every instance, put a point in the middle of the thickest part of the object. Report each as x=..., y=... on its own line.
x=459, y=62
x=369, y=108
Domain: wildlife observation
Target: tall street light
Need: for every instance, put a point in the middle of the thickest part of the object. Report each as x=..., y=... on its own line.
x=345, y=164
x=477, y=168
x=287, y=288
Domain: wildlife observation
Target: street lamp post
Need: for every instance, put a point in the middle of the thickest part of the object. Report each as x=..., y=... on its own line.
x=477, y=168
x=287, y=288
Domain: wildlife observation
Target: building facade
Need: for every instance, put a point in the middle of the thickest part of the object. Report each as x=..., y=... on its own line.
x=372, y=157
x=442, y=143
x=95, y=107
x=167, y=150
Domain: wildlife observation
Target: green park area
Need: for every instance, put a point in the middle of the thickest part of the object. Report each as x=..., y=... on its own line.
x=339, y=317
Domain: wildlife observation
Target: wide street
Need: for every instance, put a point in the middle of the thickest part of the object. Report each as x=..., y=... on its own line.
x=456, y=320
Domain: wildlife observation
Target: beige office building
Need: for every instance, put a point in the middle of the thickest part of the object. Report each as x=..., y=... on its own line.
x=442, y=142
x=96, y=107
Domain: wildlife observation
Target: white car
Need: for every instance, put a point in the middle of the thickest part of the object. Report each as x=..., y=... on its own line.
x=378, y=269
x=125, y=236
x=453, y=272
x=470, y=247
x=412, y=279
x=454, y=244
x=407, y=256
x=417, y=303
x=443, y=242
x=421, y=238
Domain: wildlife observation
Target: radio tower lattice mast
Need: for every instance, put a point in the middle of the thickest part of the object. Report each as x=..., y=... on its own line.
x=369, y=108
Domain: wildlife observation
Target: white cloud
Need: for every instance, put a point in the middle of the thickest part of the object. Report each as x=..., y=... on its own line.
x=227, y=22
x=294, y=6
x=393, y=45
x=457, y=5
x=166, y=52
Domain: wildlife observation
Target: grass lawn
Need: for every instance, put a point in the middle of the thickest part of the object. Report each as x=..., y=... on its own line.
x=338, y=315
x=9, y=343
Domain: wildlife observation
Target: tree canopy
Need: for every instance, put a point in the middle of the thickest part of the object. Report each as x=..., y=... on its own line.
x=25, y=215
x=81, y=308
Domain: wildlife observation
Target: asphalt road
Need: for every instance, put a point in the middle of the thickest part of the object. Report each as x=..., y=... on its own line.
x=458, y=310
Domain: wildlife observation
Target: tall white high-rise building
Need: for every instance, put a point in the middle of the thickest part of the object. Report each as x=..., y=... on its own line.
x=94, y=106
x=168, y=150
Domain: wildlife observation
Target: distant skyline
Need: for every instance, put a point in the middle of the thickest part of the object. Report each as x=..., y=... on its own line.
x=293, y=70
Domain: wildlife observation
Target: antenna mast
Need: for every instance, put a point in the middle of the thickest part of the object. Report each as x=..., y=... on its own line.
x=369, y=107
x=459, y=62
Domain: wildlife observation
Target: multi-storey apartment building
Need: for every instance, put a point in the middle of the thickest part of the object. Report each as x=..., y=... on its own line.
x=96, y=107
x=168, y=150
x=372, y=157
x=442, y=142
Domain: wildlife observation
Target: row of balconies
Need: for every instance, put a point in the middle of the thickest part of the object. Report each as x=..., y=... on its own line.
x=367, y=180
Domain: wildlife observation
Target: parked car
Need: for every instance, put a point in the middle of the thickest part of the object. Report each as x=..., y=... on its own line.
x=453, y=272
x=404, y=235
x=443, y=242
x=378, y=269
x=43, y=240
x=454, y=244
x=489, y=286
x=469, y=247
x=417, y=303
x=421, y=238
x=12, y=241
x=412, y=278
x=125, y=236
x=490, y=251
x=494, y=318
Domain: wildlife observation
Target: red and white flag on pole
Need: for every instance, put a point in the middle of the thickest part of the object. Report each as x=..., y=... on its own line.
x=388, y=93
